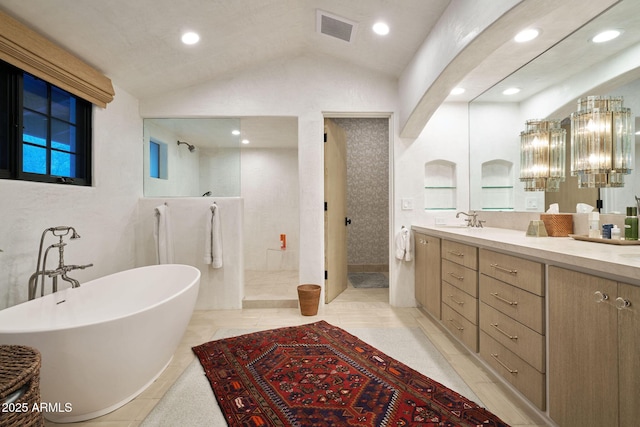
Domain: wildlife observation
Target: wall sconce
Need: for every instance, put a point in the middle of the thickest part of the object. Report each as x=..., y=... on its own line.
x=542, y=155
x=602, y=142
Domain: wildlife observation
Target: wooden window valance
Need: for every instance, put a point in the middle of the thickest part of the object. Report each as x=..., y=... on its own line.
x=29, y=51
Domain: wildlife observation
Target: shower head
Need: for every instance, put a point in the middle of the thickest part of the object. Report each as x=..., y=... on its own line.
x=191, y=147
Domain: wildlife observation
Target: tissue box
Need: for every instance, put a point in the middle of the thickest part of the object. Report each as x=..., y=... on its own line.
x=558, y=225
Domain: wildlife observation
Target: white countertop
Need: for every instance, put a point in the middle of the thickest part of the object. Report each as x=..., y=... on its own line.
x=618, y=262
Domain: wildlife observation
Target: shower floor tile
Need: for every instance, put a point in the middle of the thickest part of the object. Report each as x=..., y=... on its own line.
x=270, y=289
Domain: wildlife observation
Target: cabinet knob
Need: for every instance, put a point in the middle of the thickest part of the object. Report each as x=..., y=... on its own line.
x=600, y=297
x=622, y=303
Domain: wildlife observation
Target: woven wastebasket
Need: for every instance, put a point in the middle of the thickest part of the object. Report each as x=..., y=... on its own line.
x=20, y=384
x=309, y=298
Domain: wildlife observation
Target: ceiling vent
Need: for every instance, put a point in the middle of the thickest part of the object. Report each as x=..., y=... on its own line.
x=335, y=26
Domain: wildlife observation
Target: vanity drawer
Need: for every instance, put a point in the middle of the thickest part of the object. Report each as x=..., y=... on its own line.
x=524, y=342
x=523, y=376
x=461, y=277
x=520, y=272
x=461, y=302
x=459, y=326
x=460, y=254
x=520, y=305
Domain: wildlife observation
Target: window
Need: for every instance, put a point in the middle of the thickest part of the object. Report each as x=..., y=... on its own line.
x=46, y=131
x=154, y=159
x=157, y=159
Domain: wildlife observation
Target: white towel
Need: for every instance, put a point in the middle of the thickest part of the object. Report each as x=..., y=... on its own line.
x=163, y=235
x=407, y=244
x=213, y=238
x=403, y=244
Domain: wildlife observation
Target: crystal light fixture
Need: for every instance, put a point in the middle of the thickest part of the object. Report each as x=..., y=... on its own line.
x=602, y=147
x=542, y=155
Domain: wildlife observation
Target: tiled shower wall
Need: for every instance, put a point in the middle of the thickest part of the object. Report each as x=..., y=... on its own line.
x=367, y=192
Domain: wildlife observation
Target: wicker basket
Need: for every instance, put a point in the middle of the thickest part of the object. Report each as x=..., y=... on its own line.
x=558, y=225
x=20, y=372
x=309, y=298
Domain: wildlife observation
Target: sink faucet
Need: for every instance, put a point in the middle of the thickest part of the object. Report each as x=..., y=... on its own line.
x=472, y=219
x=62, y=270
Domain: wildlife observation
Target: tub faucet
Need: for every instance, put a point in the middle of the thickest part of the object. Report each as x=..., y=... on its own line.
x=472, y=219
x=62, y=270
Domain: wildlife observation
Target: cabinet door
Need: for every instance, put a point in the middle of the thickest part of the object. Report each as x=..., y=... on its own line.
x=432, y=277
x=427, y=281
x=420, y=243
x=583, y=349
x=629, y=343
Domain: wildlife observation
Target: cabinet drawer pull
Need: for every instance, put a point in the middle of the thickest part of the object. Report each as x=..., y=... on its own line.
x=456, y=253
x=495, y=294
x=455, y=325
x=511, y=337
x=461, y=278
x=454, y=300
x=599, y=297
x=511, y=371
x=506, y=270
x=622, y=303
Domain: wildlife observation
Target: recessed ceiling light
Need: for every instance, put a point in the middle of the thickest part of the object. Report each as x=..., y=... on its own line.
x=511, y=91
x=235, y=132
x=190, y=38
x=457, y=91
x=605, y=36
x=527, y=35
x=381, y=28
x=245, y=141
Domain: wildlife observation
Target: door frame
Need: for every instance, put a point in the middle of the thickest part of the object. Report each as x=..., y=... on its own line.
x=390, y=116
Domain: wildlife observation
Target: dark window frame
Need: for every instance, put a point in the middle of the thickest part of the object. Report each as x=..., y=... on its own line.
x=11, y=137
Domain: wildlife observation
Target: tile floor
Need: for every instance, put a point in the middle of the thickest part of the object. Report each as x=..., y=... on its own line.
x=353, y=308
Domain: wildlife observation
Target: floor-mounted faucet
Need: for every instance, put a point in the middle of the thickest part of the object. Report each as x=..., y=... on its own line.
x=62, y=270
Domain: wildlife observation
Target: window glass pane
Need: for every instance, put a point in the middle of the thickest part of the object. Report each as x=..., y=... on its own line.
x=63, y=136
x=63, y=164
x=154, y=160
x=63, y=105
x=34, y=159
x=34, y=128
x=35, y=94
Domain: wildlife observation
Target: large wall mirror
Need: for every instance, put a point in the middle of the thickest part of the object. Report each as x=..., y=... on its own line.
x=550, y=86
x=255, y=158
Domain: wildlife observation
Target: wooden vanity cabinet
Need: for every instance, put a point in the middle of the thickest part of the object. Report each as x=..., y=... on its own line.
x=512, y=321
x=460, y=291
x=427, y=271
x=594, y=345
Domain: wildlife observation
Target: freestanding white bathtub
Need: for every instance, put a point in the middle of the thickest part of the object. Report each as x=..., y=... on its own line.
x=103, y=343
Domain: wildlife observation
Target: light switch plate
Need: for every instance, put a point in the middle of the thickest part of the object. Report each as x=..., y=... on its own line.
x=407, y=204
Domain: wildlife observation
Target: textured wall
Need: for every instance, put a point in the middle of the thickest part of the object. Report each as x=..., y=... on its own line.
x=367, y=189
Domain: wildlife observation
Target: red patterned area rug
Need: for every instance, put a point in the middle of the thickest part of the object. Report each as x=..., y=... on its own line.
x=320, y=375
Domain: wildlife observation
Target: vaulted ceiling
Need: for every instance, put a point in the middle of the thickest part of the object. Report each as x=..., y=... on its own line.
x=137, y=43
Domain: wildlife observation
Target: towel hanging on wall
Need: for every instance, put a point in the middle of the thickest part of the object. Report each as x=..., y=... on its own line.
x=213, y=238
x=403, y=244
x=162, y=235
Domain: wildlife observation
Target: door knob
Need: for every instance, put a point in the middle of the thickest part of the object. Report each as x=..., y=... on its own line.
x=347, y=221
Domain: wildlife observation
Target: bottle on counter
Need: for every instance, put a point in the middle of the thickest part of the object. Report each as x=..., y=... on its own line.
x=615, y=233
x=594, y=224
x=631, y=224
